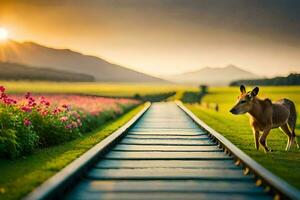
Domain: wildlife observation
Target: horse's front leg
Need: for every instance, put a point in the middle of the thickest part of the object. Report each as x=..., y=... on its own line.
x=263, y=139
x=256, y=138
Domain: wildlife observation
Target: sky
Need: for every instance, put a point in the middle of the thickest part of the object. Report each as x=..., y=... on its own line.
x=163, y=37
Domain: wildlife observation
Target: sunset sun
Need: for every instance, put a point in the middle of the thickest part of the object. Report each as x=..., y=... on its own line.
x=3, y=34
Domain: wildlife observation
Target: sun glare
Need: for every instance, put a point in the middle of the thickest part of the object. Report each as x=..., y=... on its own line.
x=3, y=34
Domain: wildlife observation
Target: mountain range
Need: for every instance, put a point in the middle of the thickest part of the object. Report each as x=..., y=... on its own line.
x=35, y=55
x=14, y=71
x=40, y=59
x=213, y=76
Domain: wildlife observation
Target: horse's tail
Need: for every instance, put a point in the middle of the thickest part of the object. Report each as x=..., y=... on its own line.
x=293, y=115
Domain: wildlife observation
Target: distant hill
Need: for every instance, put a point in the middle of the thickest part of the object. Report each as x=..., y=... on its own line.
x=292, y=79
x=12, y=71
x=213, y=76
x=32, y=54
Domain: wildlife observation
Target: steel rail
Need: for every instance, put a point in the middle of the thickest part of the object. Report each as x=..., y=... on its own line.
x=280, y=188
x=55, y=186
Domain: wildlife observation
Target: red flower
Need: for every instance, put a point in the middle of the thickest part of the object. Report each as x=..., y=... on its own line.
x=3, y=96
x=56, y=111
x=67, y=107
x=27, y=95
x=9, y=101
x=31, y=102
x=2, y=89
x=27, y=122
x=26, y=109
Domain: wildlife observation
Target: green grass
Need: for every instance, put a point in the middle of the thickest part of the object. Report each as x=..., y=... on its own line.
x=19, y=177
x=103, y=89
x=237, y=129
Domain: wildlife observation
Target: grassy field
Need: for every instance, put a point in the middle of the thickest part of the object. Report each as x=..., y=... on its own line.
x=18, y=177
x=237, y=129
x=103, y=89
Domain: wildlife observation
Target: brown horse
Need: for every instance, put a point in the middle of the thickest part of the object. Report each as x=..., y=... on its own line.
x=265, y=115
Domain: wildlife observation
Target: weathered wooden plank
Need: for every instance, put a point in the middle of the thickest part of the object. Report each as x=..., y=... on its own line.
x=211, y=164
x=165, y=128
x=122, y=147
x=165, y=121
x=167, y=155
x=158, y=119
x=167, y=137
x=167, y=174
x=167, y=132
x=206, y=186
x=166, y=142
x=166, y=125
x=165, y=196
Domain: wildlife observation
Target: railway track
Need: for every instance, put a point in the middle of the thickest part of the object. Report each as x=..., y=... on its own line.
x=165, y=152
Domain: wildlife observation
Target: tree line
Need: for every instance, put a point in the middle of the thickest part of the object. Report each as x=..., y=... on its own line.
x=292, y=79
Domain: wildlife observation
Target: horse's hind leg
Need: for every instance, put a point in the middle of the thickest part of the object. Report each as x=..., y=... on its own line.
x=296, y=142
x=295, y=139
x=287, y=131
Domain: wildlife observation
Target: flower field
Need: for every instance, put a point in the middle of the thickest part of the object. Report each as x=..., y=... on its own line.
x=30, y=122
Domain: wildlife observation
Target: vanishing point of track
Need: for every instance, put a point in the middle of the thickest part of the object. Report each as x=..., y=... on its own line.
x=165, y=152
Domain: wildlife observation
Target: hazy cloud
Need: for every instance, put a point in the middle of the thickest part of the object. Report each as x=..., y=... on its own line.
x=161, y=36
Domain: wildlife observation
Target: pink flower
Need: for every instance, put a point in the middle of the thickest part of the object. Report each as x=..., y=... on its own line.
x=75, y=114
x=63, y=118
x=27, y=95
x=26, y=109
x=9, y=101
x=56, y=111
x=79, y=122
x=42, y=98
x=27, y=122
x=3, y=96
x=31, y=101
x=44, y=113
x=67, y=107
x=69, y=126
x=44, y=101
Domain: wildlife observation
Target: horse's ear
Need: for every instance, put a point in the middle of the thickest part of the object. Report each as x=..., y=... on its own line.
x=255, y=91
x=242, y=89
